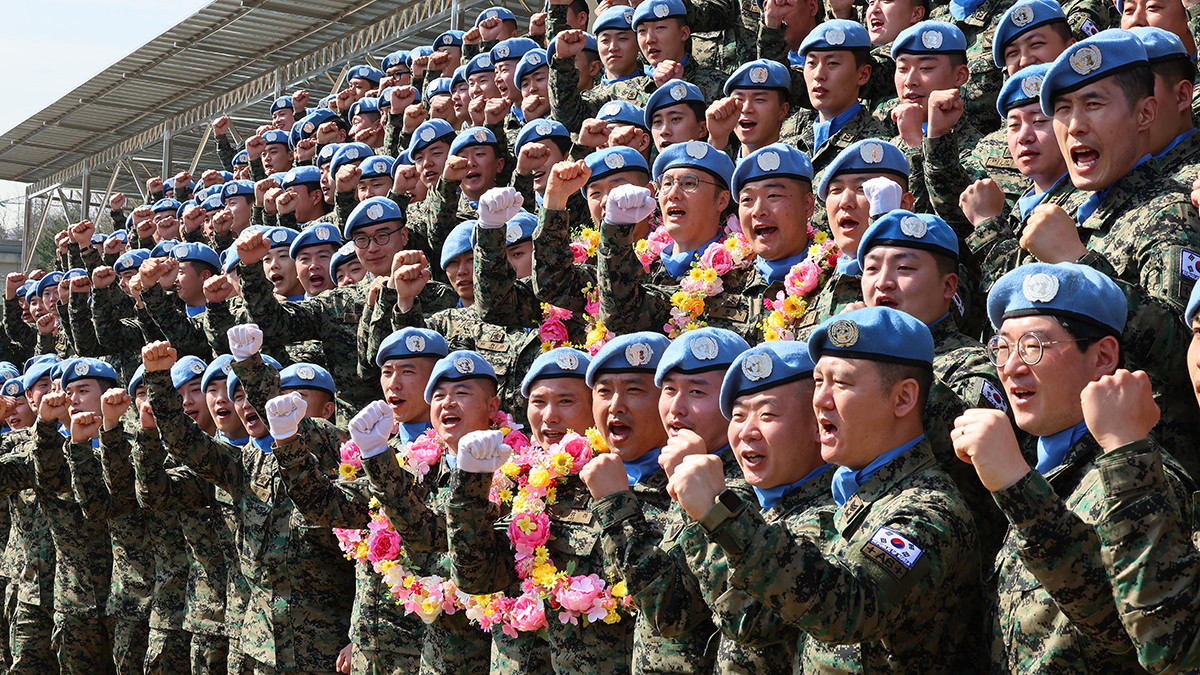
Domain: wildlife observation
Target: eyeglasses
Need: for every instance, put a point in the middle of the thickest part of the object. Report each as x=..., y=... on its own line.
x=1030, y=347
x=688, y=182
x=380, y=238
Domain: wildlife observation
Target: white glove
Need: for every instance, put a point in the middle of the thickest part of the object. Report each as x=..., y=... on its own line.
x=284, y=413
x=482, y=451
x=628, y=204
x=244, y=340
x=884, y=195
x=371, y=429
x=498, y=205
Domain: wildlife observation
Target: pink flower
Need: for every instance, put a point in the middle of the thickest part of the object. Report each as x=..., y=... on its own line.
x=579, y=252
x=385, y=545
x=592, y=306
x=517, y=441
x=351, y=454
x=553, y=331
x=802, y=279
x=717, y=257
x=527, y=614
x=579, y=448
x=580, y=596
x=528, y=531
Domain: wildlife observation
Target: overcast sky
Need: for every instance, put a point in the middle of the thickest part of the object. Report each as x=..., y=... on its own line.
x=49, y=47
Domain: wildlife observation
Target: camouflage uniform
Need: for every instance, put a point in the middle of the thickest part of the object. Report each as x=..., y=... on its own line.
x=1182, y=163
x=557, y=279
x=963, y=137
x=862, y=608
x=1054, y=609
x=500, y=297
x=753, y=639
x=981, y=90
x=992, y=153
x=857, y=128
x=963, y=365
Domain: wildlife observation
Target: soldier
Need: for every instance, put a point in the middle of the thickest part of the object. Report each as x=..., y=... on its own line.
x=885, y=19
x=312, y=252
x=345, y=267
x=754, y=107
x=197, y=263
x=784, y=27
x=1172, y=138
x=475, y=164
x=272, y=149
x=977, y=19
x=676, y=113
x=532, y=77
x=376, y=178
x=587, y=61
x=1059, y=329
x=505, y=56
x=616, y=44
x=238, y=199
x=449, y=43
x=360, y=79
x=903, y=540
x=540, y=145
x=619, y=123
x=306, y=202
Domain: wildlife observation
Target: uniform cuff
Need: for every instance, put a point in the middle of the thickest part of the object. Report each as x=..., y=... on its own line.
x=615, y=508
x=1024, y=500
x=1134, y=467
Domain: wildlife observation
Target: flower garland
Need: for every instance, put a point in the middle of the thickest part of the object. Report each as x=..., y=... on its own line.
x=804, y=279
x=648, y=249
x=553, y=329
x=585, y=245
x=704, y=279
x=351, y=461
x=597, y=333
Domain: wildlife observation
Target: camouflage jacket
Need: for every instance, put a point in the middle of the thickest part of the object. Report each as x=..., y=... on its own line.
x=864, y=603
x=859, y=127
x=571, y=107
x=21, y=336
x=1054, y=608
x=186, y=333
x=839, y=291
x=983, y=87
x=557, y=279
x=383, y=318
x=753, y=638
x=951, y=167
x=1182, y=163
x=963, y=136
x=963, y=365
x=445, y=208
x=30, y=547
x=718, y=28
x=992, y=153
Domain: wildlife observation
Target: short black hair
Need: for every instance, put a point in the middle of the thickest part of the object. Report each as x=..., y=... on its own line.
x=1086, y=333
x=1174, y=71
x=862, y=57
x=957, y=59
x=891, y=373
x=1136, y=84
x=945, y=264
x=1062, y=28
x=579, y=6
x=564, y=144
x=699, y=108
x=201, y=266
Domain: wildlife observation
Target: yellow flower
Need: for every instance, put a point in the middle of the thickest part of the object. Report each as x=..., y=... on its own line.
x=361, y=550
x=618, y=590
x=510, y=469
x=540, y=554
x=539, y=478
x=505, y=495
x=599, y=445
x=374, y=503
x=347, y=472
x=678, y=298
x=551, y=495
x=526, y=525
x=544, y=574
x=561, y=462
x=793, y=307
x=612, y=616
x=711, y=275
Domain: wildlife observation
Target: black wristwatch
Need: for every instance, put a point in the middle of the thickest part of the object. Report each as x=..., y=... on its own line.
x=728, y=506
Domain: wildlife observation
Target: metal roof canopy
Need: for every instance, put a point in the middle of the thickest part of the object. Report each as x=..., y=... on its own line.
x=231, y=54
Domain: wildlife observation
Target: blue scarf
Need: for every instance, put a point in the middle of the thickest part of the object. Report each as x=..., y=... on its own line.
x=1031, y=199
x=823, y=130
x=848, y=266
x=451, y=461
x=643, y=467
x=66, y=433
x=195, y=311
x=1089, y=205
x=296, y=298
x=409, y=432
x=649, y=69
x=238, y=442
x=1178, y=139
x=846, y=481
x=517, y=113
x=678, y=264
x=539, y=198
x=961, y=9
x=769, y=497
x=474, y=205
x=776, y=270
x=1053, y=448
x=263, y=443
x=613, y=80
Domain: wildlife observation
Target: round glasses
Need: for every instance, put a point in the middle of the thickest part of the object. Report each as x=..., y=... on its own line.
x=380, y=238
x=688, y=182
x=1030, y=347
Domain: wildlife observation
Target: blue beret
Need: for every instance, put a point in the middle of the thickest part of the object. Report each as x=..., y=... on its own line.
x=480, y=63
x=930, y=37
x=313, y=121
x=394, y=59
x=75, y=272
x=629, y=353
x=495, y=12
x=451, y=38
x=438, y=86
x=37, y=369
x=372, y=75
x=123, y=235
x=1106, y=53
x=512, y=49
x=409, y=343
x=164, y=248
x=875, y=334
x=458, y=366
x=139, y=377
x=767, y=365
x=301, y=175
x=657, y=10
x=277, y=137
x=348, y=153
x=423, y=50
x=377, y=166
x=8, y=371
x=281, y=103
x=869, y=155
x=1066, y=290
x=371, y=211
x=234, y=188
x=530, y=61
x=27, y=288
x=306, y=376
x=700, y=351
x=226, y=176
x=196, y=252
x=536, y=130
x=623, y=112
x=1023, y=88
x=834, y=36
x=760, y=74
x=342, y=256
x=617, y=17
x=697, y=155
x=460, y=240
x=906, y=229
x=168, y=184
x=167, y=205
x=459, y=77
x=185, y=207
x=472, y=136
x=672, y=93
x=217, y=370
x=98, y=238
x=556, y=363
x=186, y=369
x=14, y=386
x=520, y=227
x=1161, y=45
x=232, y=381
x=320, y=234
x=589, y=44
x=212, y=203
x=229, y=259
x=777, y=160
x=241, y=157
x=50, y=280
x=615, y=159
x=87, y=369
x=281, y=236
x=384, y=101
x=1022, y=17
x=366, y=104
x=325, y=155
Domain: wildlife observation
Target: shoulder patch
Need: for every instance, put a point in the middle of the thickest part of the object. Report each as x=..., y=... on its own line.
x=993, y=397
x=1189, y=264
x=893, y=551
x=1089, y=28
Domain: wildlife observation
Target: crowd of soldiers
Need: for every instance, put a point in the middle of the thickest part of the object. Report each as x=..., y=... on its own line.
x=843, y=337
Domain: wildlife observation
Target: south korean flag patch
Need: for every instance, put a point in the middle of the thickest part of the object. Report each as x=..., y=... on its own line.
x=1189, y=264
x=893, y=551
x=991, y=395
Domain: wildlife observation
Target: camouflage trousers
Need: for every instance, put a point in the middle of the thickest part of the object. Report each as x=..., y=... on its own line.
x=380, y=662
x=84, y=645
x=209, y=654
x=10, y=607
x=525, y=654
x=454, y=647
x=239, y=663
x=130, y=640
x=167, y=652
x=29, y=632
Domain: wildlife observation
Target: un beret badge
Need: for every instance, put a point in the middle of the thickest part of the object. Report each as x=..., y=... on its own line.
x=480, y=136
x=427, y=134
x=566, y=361
x=291, y=176
x=1032, y=86
x=534, y=59
x=697, y=149
x=661, y=10
x=180, y=252
x=628, y=16
x=308, y=127
x=612, y=109
x=1022, y=16
x=768, y=161
x=11, y=389
x=871, y=153
x=843, y=333
x=1040, y=287
x=415, y=343
x=638, y=354
x=352, y=153
x=305, y=373
x=278, y=236
x=513, y=233
x=490, y=14
x=464, y=365
x=196, y=367
x=227, y=368
x=230, y=189
x=381, y=167
x=544, y=128
x=757, y=367
x=704, y=348
x=931, y=39
x=835, y=36
x=913, y=226
x=1085, y=60
x=375, y=211
x=678, y=92
x=81, y=369
x=322, y=233
x=502, y=51
x=758, y=74
x=614, y=161
x=485, y=61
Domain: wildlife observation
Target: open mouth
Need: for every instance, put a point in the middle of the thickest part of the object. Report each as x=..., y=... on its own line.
x=538, y=175
x=829, y=430
x=395, y=401
x=675, y=212
x=223, y=413
x=747, y=125
x=875, y=25
x=847, y=224
x=913, y=97
x=765, y=230
x=1084, y=158
x=193, y=413
x=552, y=435
x=886, y=301
x=316, y=280
x=619, y=432
x=449, y=420
x=752, y=459
x=674, y=426
x=1020, y=396
x=276, y=279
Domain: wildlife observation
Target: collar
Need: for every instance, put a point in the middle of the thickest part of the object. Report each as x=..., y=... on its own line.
x=643, y=467
x=823, y=130
x=1089, y=205
x=195, y=311
x=238, y=442
x=1052, y=449
x=776, y=270
x=648, y=69
x=1031, y=198
x=848, y=266
x=678, y=264
x=516, y=112
x=451, y=460
x=769, y=497
x=1171, y=146
x=961, y=9
x=66, y=433
x=408, y=432
x=296, y=298
x=263, y=443
x=538, y=197
x=614, y=80
x=846, y=481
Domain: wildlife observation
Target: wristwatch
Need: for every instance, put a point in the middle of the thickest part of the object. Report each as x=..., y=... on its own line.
x=727, y=506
